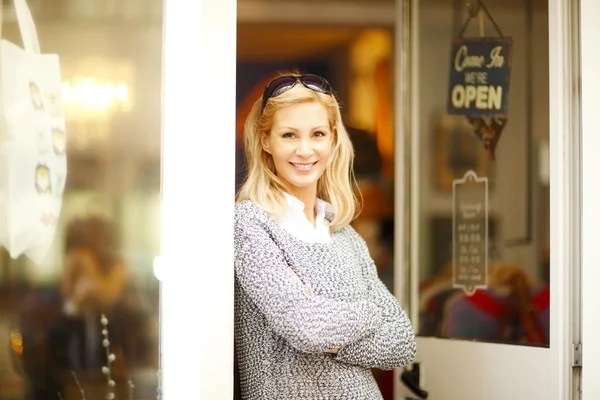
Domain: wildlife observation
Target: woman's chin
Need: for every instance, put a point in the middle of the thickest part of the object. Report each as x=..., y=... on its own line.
x=303, y=183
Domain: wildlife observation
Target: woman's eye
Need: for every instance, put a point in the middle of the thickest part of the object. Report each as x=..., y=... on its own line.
x=319, y=134
x=288, y=135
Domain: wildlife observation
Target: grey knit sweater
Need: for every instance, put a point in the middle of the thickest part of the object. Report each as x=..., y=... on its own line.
x=284, y=326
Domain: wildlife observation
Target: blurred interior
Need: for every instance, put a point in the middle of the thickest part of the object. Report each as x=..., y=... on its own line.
x=111, y=63
x=111, y=58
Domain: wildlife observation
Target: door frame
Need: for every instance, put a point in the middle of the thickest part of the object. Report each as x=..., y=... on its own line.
x=564, y=191
x=590, y=165
x=406, y=122
x=197, y=185
x=565, y=196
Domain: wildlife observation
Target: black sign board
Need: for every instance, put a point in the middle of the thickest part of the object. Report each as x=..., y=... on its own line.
x=480, y=77
x=470, y=233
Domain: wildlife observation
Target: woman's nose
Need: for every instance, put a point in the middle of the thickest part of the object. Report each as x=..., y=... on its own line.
x=304, y=148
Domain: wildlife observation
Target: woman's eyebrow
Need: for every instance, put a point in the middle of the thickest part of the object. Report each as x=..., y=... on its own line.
x=291, y=128
x=287, y=128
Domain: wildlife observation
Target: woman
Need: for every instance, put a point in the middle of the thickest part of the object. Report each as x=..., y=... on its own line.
x=312, y=316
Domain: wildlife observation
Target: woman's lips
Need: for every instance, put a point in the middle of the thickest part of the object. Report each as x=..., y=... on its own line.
x=303, y=167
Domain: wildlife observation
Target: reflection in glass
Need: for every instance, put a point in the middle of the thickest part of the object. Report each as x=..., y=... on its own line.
x=514, y=305
x=84, y=323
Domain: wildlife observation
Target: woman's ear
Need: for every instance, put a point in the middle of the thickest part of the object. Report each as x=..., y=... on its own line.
x=265, y=143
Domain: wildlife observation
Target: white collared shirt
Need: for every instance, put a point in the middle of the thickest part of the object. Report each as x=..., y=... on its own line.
x=297, y=224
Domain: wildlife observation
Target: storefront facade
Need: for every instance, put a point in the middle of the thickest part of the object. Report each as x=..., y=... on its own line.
x=559, y=368
x=482, y=212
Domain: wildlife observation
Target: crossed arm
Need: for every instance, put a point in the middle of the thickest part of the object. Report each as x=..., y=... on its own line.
x=372, y=332
x=392, y=344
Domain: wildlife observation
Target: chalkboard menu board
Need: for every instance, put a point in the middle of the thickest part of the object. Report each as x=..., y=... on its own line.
x=470, y=232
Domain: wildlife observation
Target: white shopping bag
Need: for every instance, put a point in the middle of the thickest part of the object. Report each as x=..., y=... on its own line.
x=33, y=166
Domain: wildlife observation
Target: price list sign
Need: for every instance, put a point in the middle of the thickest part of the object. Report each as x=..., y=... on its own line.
x=470, y=233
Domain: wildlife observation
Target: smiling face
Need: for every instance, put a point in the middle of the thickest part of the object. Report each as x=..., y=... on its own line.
x=300, y=143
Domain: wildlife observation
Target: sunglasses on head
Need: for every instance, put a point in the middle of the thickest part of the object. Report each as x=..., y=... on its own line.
x=284, y=83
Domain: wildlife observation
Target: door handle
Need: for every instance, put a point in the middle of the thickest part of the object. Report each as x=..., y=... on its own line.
x=411, y=378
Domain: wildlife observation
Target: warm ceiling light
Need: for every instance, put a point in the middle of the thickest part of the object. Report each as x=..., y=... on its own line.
x=89, y=94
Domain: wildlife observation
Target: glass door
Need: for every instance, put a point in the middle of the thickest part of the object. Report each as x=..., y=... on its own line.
x=490, y=235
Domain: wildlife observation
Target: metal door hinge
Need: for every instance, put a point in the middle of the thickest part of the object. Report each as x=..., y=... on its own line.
x=576, y=354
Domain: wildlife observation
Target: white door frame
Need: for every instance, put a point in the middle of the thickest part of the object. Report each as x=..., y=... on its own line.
x=406, y=121
x=198, y=170
x=590, y=163
x=564, y=191
x=564, y=196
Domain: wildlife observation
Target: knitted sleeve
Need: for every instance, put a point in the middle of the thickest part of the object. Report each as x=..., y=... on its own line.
x=309, y=323
x=392, y=344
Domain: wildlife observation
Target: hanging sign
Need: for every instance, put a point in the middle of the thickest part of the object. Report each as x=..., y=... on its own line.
x=470, y=233
x=479, y=85
x=480, y=77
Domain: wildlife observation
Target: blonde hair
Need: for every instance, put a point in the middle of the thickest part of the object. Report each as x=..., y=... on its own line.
x=337, y=185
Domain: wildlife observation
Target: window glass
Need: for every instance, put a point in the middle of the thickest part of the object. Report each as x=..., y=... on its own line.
x=484, y=243
x=87, y=315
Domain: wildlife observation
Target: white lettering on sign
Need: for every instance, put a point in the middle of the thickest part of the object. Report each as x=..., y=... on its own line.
x=484, y=97
x=497, y=59
x=469, y=210
x=463, y=60
x=476, y=78
x=470, y=233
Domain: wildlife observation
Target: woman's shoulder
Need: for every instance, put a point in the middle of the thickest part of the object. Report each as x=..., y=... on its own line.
x=351, y=235
x=247, y=208
x=248, y=213
x=348, y=231
x=253, y=228
x=244, y=207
